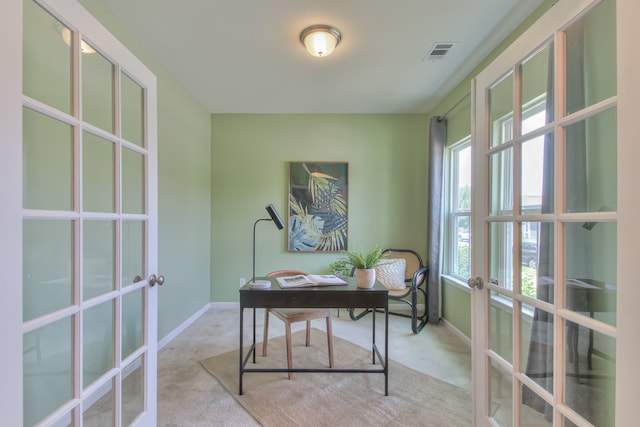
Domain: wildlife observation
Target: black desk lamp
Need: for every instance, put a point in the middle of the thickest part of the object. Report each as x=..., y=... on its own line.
x=278, y=223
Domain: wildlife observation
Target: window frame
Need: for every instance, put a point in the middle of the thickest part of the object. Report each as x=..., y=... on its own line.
x=453, y=214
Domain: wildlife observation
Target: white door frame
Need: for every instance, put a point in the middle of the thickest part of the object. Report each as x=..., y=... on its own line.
x=11, y=212
x=628, y=231
x=628, y=343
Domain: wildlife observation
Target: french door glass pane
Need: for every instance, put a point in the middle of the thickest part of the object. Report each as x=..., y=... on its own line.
x=132, y=104
x=545, y=267
x=102, y=411
x=590, y=374
x=46, y=58
x=501, y=109
x=533, y=174
x=48, y=162
x=97, y=339
x=48, y=377
x=98, y=258
x=536, y=349
x=132, y=251
x=500, y=386
x=591, y=46
x=47, y=266
x=537, y=79
x=590, y=162
x=97, y=91
x=531, y=415
x=501, y=254
x=98, y=160
x=132, y=182
x=591, y=254
x=132, y=391
x=529, y=255
x=132, y=322
x=501, y=327
x=501, y=182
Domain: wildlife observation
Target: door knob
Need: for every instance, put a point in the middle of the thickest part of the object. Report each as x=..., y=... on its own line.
x=475, y=283
x=153, y=280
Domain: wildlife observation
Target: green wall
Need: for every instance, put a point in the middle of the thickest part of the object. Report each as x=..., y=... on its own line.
x=184, y=189
x=387, y=156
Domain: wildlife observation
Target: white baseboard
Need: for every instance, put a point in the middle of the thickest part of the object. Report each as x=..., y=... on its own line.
x=167, y=339
x=455, y=331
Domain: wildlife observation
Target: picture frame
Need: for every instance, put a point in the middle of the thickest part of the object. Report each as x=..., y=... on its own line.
x=318, y=206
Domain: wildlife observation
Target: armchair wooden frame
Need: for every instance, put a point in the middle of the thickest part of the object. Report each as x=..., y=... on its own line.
x=416, y=275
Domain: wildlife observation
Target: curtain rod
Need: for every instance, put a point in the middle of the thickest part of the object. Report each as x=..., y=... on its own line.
x=444, y=116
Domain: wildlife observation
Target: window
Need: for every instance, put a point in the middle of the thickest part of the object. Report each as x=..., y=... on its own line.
x=458, y=210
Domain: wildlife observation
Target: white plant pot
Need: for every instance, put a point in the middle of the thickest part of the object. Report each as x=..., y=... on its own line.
x=365, y=278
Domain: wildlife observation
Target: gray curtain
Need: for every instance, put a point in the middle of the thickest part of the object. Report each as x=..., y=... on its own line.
x=540, y=357
x=437, y=139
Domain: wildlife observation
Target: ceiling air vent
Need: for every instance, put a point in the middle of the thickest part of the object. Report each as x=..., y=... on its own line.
x=438, y=51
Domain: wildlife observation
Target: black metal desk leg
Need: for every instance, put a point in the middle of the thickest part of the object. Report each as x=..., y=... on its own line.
x=373, y=328
x=240, y=360
x=386, y=350
x=254, y=335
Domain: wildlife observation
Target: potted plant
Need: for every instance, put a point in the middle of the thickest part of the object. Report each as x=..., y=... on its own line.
x=364, y=264
x=340, y=268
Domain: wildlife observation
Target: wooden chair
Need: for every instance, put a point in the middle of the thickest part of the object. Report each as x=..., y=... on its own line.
x=415, y=278
x=292, y=315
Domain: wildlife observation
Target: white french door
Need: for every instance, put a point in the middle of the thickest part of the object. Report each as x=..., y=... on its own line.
x=552, y=209
x=82, y=222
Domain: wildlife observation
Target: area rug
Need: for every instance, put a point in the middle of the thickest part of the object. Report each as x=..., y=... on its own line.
x=337, y=399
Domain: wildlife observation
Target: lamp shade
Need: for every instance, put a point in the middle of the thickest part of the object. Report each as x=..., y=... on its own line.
x=273, y=213
x=320, y=40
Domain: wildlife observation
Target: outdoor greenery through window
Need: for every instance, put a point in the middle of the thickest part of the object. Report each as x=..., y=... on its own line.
x=458, y=239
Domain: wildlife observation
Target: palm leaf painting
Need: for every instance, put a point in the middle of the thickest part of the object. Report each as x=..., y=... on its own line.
x=317, y=207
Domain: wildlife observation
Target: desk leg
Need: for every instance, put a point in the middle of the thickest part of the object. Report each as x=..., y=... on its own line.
x=590, y=349
x=254, y=335
x=373, y=327
x=386, y=350
x=240, y=351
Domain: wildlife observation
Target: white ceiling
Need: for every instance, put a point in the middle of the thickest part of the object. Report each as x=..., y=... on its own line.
x=244, y=56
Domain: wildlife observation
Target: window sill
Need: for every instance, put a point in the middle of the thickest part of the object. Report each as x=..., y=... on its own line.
x=497, y=300
x=456, y=283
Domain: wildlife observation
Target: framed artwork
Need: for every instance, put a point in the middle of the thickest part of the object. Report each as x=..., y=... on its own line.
x=317, y=206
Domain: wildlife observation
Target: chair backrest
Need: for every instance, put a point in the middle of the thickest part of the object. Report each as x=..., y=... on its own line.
x=412, y=258
x=282, y=273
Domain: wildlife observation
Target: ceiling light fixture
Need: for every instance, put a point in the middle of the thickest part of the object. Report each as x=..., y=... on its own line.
x=320, y=40
x=67, y=36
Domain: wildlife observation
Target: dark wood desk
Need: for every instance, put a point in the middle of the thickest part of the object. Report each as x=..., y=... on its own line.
x=349, y=296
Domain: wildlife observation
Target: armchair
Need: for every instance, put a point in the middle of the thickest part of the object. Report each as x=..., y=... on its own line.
x=407, y=287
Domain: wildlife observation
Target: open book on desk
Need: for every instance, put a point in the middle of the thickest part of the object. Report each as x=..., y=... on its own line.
x=309, y=280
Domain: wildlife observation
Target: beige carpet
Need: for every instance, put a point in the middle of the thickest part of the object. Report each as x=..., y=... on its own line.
x=336, y=399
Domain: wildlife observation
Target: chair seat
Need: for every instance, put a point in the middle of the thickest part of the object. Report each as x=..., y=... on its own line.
x=399, y=293
x=292, y=315
x=296, y=315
